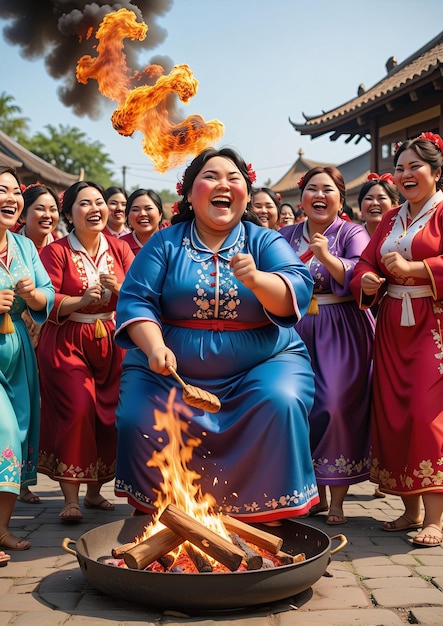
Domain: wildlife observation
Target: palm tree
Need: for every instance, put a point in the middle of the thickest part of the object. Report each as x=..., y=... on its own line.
x=12, y=123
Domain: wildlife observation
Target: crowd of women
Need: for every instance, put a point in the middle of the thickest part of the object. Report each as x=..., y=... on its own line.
x=321, y=337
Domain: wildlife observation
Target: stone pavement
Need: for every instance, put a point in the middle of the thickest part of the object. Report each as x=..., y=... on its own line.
x=377, y=579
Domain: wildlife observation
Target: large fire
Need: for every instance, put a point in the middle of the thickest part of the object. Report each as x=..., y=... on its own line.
x=186, y=534
x=180, y=484
x=145, y=107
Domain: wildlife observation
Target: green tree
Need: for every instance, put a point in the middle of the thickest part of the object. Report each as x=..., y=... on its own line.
x=70, y=150
x=12, y=123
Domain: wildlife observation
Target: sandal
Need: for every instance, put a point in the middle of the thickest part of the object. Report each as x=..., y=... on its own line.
x=428, y=539
x=102, y=505
x=335, y=517
x=317, y=508
x=29, y=498
x=398, y=525
x=66, y=515
x=11, y=542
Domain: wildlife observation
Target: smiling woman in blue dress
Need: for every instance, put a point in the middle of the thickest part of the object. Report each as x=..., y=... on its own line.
x=24, y=286
x=217, y=296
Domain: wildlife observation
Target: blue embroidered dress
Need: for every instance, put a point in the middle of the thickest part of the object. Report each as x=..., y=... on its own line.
x=19, y=385
x=254, y=457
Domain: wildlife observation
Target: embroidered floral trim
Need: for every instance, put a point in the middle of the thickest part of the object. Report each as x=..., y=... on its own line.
x=294, y=500
x=10, y=468
x=341, y=467
x=423, y=477
x=57, y=469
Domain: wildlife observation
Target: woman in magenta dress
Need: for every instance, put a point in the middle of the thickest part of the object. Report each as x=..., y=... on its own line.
x=78, y=360
x=402, y=268
x=339, y=339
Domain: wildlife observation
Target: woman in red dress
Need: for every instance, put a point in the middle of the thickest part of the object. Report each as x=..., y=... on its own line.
x=402, y=268
x=78, y=360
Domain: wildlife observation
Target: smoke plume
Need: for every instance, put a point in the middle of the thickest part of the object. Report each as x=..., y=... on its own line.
x=61, y=31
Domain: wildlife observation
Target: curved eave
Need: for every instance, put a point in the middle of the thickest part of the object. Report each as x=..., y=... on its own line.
x=351, y=113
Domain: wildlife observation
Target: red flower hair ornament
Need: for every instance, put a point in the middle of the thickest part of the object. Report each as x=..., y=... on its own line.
x=251, y=173
x=388, y=177
x=300, y=182
x=434, y=138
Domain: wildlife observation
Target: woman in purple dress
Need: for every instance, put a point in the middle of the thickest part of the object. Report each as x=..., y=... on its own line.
x=339, y=339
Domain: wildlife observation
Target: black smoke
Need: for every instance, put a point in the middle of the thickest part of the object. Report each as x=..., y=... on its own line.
x=57, y=31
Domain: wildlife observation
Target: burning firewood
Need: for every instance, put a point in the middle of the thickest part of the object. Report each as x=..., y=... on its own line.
x=119, y=551
x=260, y=538
x=200, y=561
x=150, y=550
x=253, y=559
x=206, y=540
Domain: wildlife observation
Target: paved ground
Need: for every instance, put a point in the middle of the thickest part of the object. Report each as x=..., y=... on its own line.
x=378, y=579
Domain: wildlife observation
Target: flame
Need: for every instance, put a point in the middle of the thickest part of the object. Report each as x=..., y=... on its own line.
x=179, y=484
x=144, y=107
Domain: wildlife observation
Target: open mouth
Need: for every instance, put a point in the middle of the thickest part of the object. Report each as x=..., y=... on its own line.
x=319, y=206
x=221, y=202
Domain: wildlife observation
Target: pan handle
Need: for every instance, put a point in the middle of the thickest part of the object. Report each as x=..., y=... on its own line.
x=65, y=545
x=343, y=542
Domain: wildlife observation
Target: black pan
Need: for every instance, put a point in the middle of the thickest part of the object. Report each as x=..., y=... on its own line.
x=206, y=590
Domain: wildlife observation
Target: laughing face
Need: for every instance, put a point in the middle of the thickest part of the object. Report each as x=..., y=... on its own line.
x=41, y=217
x=321, y=201
x=144, y=217
x=89, y=211
x=117, y=211
x=415, y=179
x=266, y=209
x=11, y=201
x=219, y=196
x=374, y=205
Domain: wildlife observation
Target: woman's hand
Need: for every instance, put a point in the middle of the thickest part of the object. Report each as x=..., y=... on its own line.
x=160, y=359
x=25, y=288
x=371, y=283
x=109, y=281
x=319, y=247
x=92, y=295
x=396, y=265
x=245, y=269
x=6, y=300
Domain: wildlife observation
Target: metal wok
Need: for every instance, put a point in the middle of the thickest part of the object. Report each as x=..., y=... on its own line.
x=205, y=590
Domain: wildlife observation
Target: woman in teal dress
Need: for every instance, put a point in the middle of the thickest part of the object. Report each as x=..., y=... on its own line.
x=218, y=297
x=24, y=286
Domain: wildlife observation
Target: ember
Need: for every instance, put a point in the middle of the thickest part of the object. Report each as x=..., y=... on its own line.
x=145, y=107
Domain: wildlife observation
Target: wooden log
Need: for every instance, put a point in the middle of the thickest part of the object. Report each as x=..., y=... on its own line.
x=287, y=559
x=150, y=550
x=166, y=560
x=119, y=551
x=258, y=537
x=253, y=559
x=200, y=561
x=203, y=538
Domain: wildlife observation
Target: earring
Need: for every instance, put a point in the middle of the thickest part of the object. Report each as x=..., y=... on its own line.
x=190, y=207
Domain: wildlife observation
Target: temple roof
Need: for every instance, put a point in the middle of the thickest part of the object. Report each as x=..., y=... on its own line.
x=29, y=165
x=354, y=172
x=353, y=117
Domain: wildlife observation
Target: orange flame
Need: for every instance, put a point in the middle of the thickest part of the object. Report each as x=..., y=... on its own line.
x=179, y=485
x=144, y=108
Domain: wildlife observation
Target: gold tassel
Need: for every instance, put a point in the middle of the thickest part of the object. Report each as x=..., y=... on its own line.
x=100, y=329
x=7, y=325
x=313, y=306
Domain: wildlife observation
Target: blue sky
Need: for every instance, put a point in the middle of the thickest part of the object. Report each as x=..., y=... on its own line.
x=258, y=63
